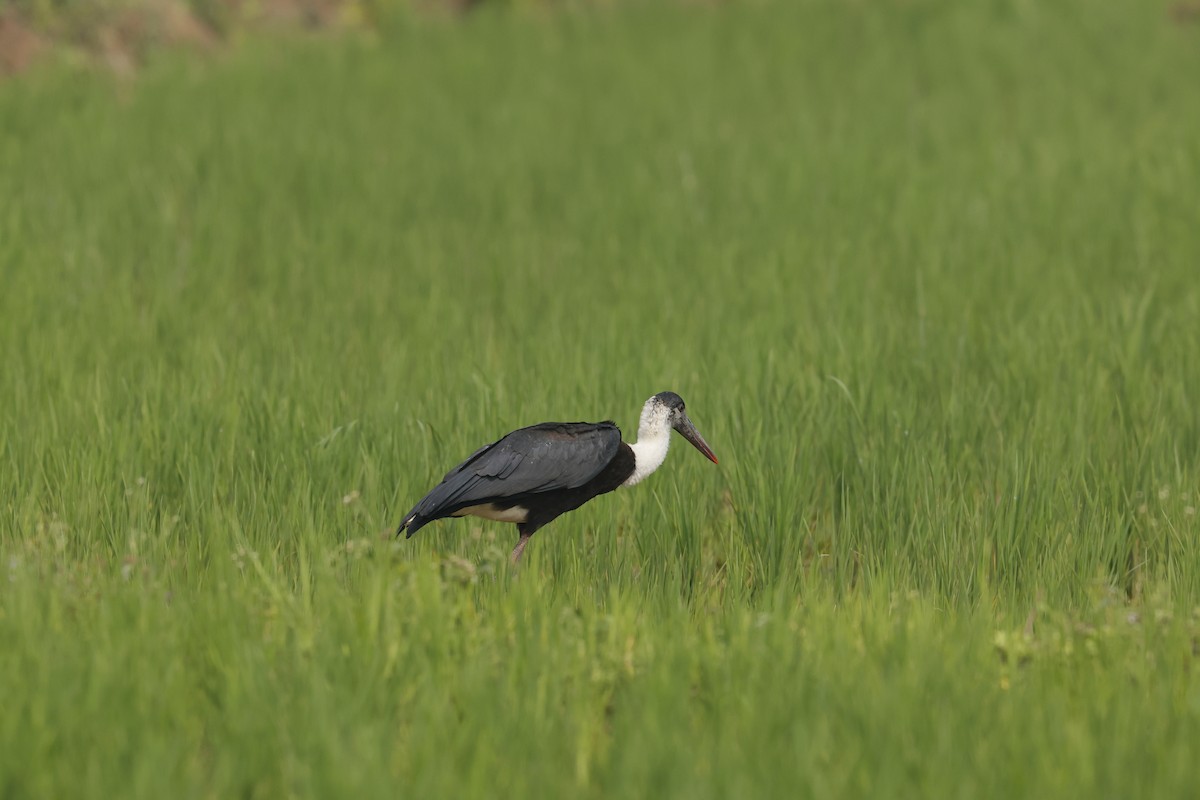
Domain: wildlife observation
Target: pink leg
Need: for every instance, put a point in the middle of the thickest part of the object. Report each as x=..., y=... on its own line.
x=520, y=548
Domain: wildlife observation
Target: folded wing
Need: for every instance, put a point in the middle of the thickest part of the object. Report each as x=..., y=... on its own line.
x=541, y=458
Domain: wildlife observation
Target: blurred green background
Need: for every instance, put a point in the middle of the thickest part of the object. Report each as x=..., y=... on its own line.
x=925, y=273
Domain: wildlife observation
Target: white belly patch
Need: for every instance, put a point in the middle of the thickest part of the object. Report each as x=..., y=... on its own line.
x=490, y=511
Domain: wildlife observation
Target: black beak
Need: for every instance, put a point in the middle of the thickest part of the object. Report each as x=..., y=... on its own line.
x=689, y=432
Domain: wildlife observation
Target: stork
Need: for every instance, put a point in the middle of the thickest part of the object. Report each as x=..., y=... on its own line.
x=535, y=474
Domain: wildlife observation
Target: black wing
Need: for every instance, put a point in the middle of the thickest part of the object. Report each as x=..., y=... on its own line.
x=541, y=458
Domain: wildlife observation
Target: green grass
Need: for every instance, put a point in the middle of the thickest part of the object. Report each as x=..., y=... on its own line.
x=926, y=274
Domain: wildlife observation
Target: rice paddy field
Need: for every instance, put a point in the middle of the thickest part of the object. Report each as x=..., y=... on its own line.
x=926, y=273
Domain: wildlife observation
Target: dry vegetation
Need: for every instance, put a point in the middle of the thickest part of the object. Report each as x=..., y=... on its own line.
x=119, y=34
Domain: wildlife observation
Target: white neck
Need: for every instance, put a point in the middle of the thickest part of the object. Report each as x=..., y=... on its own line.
x=654, y=437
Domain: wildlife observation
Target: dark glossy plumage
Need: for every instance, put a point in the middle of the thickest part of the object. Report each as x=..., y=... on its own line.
x=535, y=474
x=548, y=469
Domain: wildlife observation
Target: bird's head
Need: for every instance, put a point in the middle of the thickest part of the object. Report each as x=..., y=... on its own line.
x=666, y=409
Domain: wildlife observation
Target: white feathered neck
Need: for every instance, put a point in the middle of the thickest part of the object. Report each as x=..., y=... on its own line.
x=654, y=437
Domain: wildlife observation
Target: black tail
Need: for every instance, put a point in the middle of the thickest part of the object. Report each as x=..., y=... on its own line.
x=413, y=523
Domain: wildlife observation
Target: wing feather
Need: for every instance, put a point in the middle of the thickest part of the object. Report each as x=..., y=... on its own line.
x=541, y=458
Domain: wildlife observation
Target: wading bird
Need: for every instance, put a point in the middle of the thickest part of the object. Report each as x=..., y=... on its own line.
x=534, y=474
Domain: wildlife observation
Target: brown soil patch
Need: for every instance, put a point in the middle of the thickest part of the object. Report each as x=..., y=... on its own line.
x=1185, y=13
x=119, y=37
x=19, y=45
